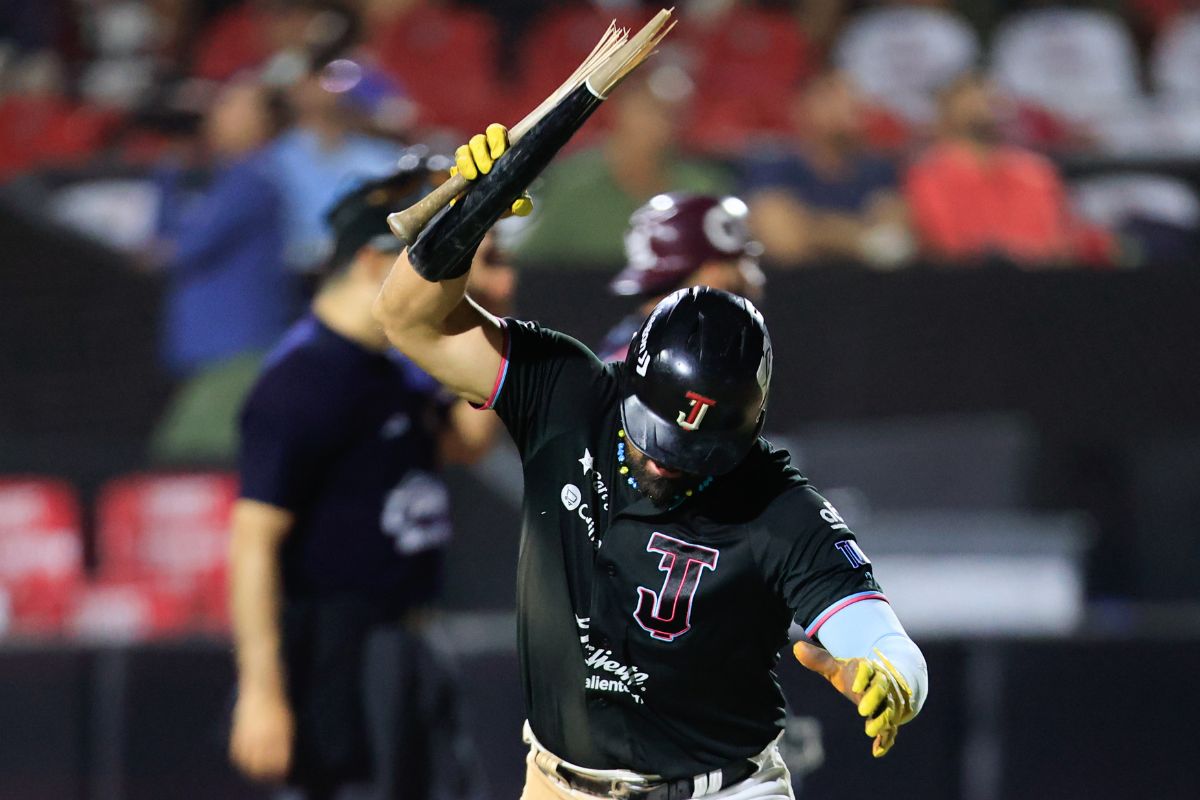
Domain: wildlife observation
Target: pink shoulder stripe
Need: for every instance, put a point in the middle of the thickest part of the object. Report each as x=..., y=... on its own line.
x=501, y=373
x=824, y=616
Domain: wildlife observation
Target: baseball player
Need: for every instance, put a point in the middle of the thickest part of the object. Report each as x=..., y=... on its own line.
x=666, y=547
x=678, y=240
x=340, y=534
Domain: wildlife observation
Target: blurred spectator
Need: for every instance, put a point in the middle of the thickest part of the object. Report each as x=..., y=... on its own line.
x=324, y=154
x=584, y=201
x=229, y=296
x=828, y=198
x=972, y=197
x=900, y=53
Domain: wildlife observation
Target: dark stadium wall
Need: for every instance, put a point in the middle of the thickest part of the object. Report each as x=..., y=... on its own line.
x=147, y=722
x=1100, y=363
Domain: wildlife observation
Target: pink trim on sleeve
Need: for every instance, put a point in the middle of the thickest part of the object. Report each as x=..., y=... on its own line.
x=501, y=373
x=824, y=616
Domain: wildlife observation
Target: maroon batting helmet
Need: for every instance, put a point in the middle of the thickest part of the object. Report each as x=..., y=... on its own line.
x=673, y=235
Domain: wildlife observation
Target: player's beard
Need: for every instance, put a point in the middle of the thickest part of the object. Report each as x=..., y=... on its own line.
x=661, y=491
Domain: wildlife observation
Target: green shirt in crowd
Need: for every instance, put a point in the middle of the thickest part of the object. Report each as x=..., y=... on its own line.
x=581, y=213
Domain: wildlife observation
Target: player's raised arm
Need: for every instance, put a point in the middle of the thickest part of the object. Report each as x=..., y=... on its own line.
x=441, y=329
x=427, y=314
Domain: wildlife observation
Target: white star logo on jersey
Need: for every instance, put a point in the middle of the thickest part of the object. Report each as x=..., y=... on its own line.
x=587, y=461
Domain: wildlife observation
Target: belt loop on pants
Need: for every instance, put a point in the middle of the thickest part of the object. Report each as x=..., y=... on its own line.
x=627, y=785
x=546, y=761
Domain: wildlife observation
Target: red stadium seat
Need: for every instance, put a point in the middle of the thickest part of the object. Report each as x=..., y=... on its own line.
x=754, y=52
x=129, y=611
x=172, y=531
x=48, y=131
x=747, y=66
x=236, y=40
x=41, y=552
x=557, y=43
x=724, y=124
x=445, y=58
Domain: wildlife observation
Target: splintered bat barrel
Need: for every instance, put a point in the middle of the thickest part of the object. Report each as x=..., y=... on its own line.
x=613, y=58
x=407, y=224
x=444, y=248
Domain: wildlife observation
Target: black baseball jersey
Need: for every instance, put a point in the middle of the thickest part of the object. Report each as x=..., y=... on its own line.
x=346, y=438
x=648, y=637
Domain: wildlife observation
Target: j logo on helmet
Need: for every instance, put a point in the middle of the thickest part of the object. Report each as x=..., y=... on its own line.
x=690, y=420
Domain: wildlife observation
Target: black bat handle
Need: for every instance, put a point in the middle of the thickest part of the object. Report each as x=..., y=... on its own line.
x=444, y=248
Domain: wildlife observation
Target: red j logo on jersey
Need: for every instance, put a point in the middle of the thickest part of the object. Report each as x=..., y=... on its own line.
x=667, y=614
x=690, y=420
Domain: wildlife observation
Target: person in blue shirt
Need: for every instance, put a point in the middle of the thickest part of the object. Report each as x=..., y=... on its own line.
x=339, y=537
x=828, y=197
x=320, y=157
x=228, y=296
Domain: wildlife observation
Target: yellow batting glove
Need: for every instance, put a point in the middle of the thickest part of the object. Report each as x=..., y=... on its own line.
x=874, y=685
x=478, y=156
x=522, y=206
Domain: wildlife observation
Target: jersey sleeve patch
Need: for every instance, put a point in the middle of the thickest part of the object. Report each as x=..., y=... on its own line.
x=823, y=617
x=853, y=553
x=501, y=373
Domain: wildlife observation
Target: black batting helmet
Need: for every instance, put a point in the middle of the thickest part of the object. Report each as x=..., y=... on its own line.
x=696, y=379
x=673, y=235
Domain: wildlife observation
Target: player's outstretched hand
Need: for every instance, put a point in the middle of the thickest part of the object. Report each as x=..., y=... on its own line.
x=261, y=742
x=873, y=684
x=478, y=156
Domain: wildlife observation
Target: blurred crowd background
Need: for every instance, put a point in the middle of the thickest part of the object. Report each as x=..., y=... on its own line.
x=980, y=224
x=844, y=121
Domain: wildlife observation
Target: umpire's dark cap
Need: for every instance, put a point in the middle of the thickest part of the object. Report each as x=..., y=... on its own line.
x=359, y=218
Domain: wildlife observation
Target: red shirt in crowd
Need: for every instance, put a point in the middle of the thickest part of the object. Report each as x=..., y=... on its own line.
x=1009, y=202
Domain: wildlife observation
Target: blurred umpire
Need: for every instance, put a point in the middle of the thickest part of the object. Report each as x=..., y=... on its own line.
x=680, y=240
x=340, y=533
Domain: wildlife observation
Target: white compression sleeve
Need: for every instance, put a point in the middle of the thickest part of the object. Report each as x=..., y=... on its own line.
x=859, y=629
